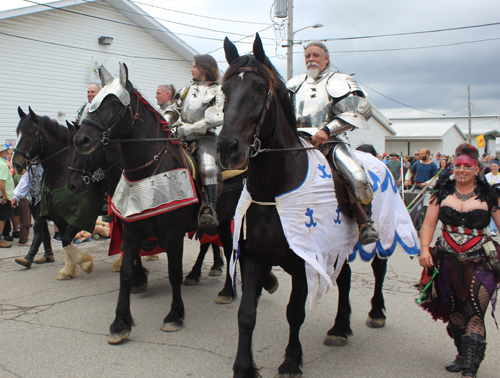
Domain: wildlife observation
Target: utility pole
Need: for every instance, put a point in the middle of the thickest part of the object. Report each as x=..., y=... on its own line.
x=468, y=108
x=289, y=49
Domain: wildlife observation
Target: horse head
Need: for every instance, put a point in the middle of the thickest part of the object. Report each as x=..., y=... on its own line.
x=253, y=89
x=30, y=134
x=106, y=113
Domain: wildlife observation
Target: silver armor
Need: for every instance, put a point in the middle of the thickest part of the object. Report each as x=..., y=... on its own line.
x=117, y=87
x=200, y=112
x=331, y=101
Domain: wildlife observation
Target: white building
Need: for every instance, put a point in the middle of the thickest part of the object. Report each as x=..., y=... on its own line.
x=49, y=55
x=380, y=130
x=443, y=134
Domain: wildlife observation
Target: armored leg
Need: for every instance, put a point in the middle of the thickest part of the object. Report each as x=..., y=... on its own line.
x=359, y=188
x=206, y=153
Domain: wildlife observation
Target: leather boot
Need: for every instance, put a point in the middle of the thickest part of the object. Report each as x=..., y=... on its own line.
x=48, y=256
x=457, y=333
x=208, y=216
x=473, y=348
x=27, y=260
x=367, y=232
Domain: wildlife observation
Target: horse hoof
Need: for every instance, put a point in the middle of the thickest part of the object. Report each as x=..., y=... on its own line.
x=152, y=258
x=190, y=282
x=286, y=375
x=139, y=289
x=87, y=267
x=215, y=273
x=335, y=341
x=118, y=338
x=64, y=277
x=375, y=323
x=224, y=299
x=171, y=327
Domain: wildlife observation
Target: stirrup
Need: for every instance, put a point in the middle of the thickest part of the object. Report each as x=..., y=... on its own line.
x=207, y=217
x=367, y=233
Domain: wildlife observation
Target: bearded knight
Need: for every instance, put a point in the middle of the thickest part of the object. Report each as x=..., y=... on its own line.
x=327, y=104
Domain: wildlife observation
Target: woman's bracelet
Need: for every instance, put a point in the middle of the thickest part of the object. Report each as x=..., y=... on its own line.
x=426, y=245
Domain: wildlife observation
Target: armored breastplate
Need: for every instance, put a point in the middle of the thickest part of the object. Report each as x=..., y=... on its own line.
x=311, y=103
x=196, y=102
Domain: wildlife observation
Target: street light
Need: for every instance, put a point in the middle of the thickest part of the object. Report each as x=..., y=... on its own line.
x=289, y=45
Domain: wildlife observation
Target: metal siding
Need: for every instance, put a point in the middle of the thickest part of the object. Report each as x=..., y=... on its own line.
x=53, y=79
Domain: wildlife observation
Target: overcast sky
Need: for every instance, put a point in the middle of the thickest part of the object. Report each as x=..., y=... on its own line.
x=432, y=79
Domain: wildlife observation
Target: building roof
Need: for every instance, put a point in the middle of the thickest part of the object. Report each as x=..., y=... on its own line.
x=125, y=7
x=489, y=126
x=423, y=130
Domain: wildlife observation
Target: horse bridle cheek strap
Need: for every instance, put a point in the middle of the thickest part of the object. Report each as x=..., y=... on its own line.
x=27, y=155
x=106, y=129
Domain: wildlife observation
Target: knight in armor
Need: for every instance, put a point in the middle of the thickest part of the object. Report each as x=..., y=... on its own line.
x=196, y=112
x=327, y=105
x=164, y=97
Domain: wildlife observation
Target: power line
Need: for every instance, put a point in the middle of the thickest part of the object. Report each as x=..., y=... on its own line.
x=406, y=33
x=412, y=48
x=199, y=15
x=174, y=22
x=125, y=23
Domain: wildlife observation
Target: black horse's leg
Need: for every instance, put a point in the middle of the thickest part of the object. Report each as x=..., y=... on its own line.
x=174, y=320
x=295, y=314
x=226, y=295
x=216, y=269
x=194, y=276
x=122, y=325
x=140, y=279
x=337, y=336
x=376, y=317
x=252, y=277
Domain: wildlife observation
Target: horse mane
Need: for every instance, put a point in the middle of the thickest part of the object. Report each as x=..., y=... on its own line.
x=273, y=80
x=54, y=127
x=132, y=90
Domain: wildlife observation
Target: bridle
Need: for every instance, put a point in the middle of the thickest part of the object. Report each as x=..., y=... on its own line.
x=255, y=147
x=98, y=175
x=106, y=129
x=27, y=155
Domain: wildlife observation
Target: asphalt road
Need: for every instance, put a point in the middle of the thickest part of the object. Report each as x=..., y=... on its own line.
x=51, y=328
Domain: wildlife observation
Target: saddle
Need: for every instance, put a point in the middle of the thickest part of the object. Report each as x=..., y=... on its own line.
x=222, y=175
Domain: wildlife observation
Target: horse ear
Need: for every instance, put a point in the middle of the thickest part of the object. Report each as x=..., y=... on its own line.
x=33, y=116
x=72, y=125
x=123, y=75
x=106, y=77
x=21, y=113
x=258, y=49
x=69, y=125
x=230, y=50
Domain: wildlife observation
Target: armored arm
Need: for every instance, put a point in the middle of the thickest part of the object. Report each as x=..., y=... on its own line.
x=352, y=111
x=173, y=112
x=214, y=116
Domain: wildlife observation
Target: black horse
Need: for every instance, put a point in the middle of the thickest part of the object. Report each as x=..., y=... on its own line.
x=42, y=137
x=259, y=115
x=106, y=164
x=124, y=114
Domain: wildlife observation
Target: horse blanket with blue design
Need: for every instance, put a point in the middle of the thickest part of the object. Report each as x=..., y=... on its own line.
x=319, y=233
